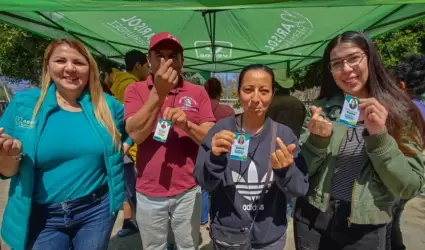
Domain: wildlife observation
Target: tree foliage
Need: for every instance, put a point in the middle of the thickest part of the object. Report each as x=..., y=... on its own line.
x=396, y=45
x=21, y=53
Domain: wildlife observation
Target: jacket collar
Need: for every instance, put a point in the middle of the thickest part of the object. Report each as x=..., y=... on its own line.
x=337, y=100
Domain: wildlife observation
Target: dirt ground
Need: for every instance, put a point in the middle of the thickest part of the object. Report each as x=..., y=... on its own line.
x=413, y=227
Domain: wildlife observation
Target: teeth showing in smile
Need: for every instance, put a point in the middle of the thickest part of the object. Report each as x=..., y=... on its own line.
x=351, y=80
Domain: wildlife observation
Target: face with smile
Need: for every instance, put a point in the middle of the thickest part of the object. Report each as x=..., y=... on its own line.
x=256, y=92
x=349, y=67
x=68, y=69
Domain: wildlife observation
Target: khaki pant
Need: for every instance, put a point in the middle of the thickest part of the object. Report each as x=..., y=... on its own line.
x=181, y=213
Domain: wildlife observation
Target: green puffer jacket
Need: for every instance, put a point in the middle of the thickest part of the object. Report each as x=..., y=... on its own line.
x=386, y=173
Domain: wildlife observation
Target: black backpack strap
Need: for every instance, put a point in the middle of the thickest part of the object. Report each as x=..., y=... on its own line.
x=269, y=173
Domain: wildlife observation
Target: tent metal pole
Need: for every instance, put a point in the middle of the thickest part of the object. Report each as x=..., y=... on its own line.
x=288, y=69
x=302, y=56
x=395, y=21
x=79, y=39
x=299, y=46
x=62, y=28
x=386, y=16
x=206, y=63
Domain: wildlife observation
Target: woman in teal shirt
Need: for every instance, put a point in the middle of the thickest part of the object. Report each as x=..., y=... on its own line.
x=63, y=147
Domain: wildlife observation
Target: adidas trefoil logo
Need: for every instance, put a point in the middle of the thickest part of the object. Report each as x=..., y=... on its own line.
x=250, y=188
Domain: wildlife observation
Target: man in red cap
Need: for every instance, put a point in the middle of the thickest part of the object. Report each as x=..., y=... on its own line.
x=168, y=118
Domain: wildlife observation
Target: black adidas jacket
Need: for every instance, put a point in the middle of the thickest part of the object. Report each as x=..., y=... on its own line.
x=235, y=186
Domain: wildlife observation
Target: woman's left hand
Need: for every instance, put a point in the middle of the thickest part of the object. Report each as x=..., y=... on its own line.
x=374, y=115
x=284, y=156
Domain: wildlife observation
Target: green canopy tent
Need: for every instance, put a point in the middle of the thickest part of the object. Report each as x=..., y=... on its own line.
x=218, y=35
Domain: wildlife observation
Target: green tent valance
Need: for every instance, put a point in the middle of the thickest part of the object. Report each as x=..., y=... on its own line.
x=282, y=34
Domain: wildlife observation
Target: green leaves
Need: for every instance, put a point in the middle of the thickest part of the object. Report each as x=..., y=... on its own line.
x=394, y=46
x=21, y=53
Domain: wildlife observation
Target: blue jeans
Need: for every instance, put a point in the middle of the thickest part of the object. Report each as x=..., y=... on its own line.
x=205, y=207
x=289, y=208
x=85, y=223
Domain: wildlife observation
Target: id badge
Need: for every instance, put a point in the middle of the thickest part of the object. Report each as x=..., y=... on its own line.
x=162, y=129
x=240, y=147
x=350, y=112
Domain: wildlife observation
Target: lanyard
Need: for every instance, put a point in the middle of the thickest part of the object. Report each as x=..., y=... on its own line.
x=250, y=156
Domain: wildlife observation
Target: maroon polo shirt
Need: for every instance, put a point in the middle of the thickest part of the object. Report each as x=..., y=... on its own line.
x=166, y=169
x=221, y=111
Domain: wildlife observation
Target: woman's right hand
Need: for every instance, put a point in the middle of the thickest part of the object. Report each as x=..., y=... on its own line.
x=318, y=125
x=8, y=145
x=222, y=142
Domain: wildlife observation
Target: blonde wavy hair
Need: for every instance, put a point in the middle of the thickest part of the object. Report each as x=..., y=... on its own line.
x=101, y=109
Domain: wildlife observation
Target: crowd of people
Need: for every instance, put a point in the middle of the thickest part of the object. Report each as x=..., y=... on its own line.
x=174, y=159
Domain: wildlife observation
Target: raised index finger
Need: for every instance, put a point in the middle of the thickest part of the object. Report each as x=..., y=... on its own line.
x=164, y=66
x=281, y=145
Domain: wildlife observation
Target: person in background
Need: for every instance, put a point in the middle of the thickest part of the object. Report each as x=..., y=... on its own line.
x=411, y=75
x=290, y=111
x=138, y=69
x=411, y=79
x=62, y=146
x=356, y=173
x=215, y=91
x=166, y=188
x=287, y=110
x=248, y=198
x=220, y=111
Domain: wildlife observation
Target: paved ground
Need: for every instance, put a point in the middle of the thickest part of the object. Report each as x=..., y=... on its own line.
x=413, y=226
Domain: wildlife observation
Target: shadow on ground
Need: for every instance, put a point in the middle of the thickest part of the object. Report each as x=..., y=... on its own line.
x=133, y=242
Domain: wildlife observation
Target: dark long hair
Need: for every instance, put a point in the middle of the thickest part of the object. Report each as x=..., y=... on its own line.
x=411, y=71
x=257, y=67
x=404, y=121
x=213, y=87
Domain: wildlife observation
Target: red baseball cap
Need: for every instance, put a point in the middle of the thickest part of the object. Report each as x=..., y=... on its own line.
x=161, y=37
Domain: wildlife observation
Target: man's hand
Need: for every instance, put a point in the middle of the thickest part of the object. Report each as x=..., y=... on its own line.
x=177, y=117
x=166, y=78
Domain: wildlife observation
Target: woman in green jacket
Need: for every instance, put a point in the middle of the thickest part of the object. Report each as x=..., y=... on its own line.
x=357, y=172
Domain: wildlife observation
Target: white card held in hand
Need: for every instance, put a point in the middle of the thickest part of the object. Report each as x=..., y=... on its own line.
x=240, y=147
x=350, y=112
x=162, y=130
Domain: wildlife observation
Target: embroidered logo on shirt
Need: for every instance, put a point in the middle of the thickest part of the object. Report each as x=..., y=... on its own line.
x=250, y=189
x=188, y=103
x=24, y=123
